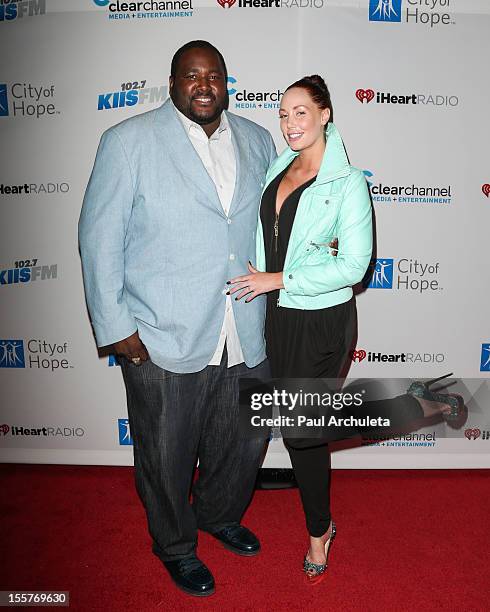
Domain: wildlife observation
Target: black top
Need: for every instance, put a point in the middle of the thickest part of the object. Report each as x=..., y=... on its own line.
x=299, y=343
x=277, y=228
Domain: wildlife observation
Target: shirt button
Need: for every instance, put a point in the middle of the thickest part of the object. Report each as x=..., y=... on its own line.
x=290, y=276
x=232, y=257
x=228, y=221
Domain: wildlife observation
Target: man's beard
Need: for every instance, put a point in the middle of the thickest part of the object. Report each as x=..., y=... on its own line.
x=205, y=119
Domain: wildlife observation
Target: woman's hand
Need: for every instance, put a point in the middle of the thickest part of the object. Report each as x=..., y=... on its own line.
x=255, y=283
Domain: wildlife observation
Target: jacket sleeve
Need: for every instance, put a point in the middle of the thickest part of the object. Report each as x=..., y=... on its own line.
x=102, y=230
x=355, y=237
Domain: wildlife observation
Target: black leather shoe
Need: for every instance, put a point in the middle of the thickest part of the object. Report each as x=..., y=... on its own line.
x=239, y=540
x=191, y=575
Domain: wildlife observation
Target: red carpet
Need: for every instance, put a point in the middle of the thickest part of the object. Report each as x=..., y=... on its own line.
x=407, y=540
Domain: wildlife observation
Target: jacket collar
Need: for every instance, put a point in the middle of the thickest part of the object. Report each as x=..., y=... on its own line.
x=189, y=161
x=335, y=163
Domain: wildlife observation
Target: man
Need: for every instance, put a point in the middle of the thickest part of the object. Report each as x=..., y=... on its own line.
x=169, y=216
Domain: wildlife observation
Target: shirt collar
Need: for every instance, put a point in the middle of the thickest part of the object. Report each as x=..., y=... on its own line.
x=192, y=126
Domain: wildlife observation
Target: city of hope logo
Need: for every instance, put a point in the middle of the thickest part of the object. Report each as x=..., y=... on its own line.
x=12, y=354
x=385, y=10
x=4, y=103
x=380, y=274
x=485, y=358
x=125, y=438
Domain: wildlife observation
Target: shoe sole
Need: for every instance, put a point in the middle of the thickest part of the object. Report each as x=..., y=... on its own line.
x=191, y=592
x=242, y=553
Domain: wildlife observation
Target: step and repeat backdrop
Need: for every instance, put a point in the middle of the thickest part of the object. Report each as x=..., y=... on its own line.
x=410, y=88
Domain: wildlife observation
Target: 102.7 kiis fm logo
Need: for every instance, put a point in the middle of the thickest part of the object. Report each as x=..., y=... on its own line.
x=28, y=271
x=429, y=13
x=10, y=10
x=403, y=275
x=132, y=93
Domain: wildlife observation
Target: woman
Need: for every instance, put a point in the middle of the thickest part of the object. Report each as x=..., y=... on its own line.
x=313, y=196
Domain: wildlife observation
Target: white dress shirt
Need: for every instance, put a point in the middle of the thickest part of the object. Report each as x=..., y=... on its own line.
x=218, y=157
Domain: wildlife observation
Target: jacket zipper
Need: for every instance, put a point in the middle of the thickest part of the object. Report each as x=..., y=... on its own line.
x=276, y=231
x=276, y=236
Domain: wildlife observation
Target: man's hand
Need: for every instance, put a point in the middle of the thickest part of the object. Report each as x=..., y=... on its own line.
x=132, y=348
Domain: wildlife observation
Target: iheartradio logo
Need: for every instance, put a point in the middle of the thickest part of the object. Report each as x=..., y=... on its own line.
x=226, y=3
x=486, y=189
x=364, y=94
x=358, y=355
x=472, y=434
x=4, y=429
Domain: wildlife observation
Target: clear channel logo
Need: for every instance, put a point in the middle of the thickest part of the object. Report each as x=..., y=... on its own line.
x=406, y=194
x=243, y=98
x=405, y=274
x=11, y=10
x=485, y=188
x=27, y=100
x=368, y=95
x=132, y=93
x=485, y=357
x=429, y=13
x=414, y=439
x=125, y=438
x=150, y=9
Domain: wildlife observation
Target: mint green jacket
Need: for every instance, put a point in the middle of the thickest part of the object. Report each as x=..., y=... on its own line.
x=336, y=204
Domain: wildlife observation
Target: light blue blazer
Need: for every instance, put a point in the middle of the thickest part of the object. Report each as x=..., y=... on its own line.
x=157, y=247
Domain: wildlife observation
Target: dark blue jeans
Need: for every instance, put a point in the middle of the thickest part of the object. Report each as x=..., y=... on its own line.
x=175, y=420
